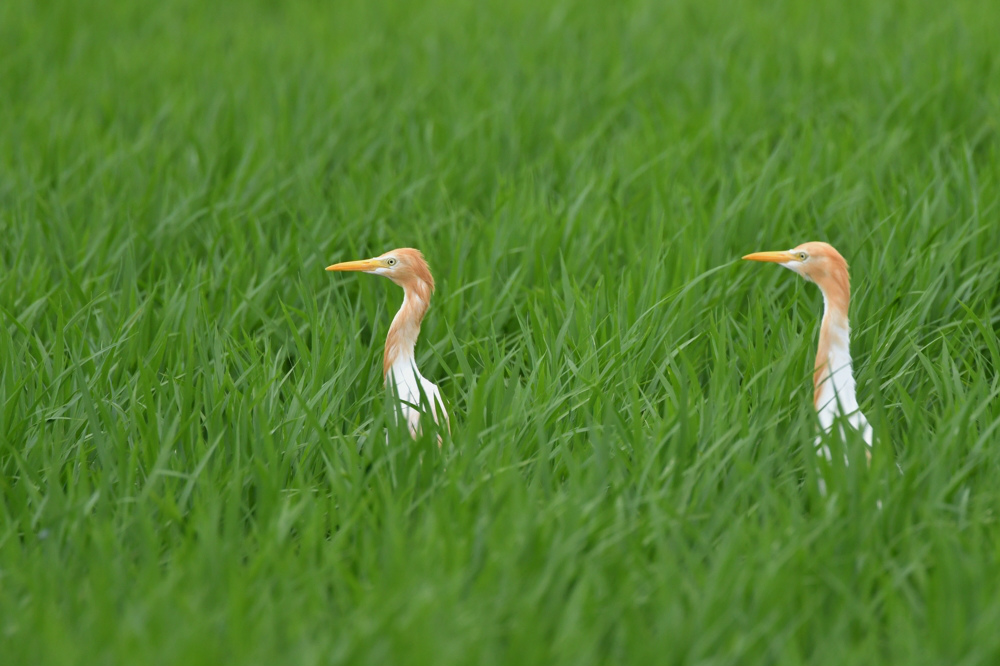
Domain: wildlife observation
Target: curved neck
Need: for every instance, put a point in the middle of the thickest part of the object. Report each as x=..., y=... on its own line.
x=833, y=353
x=405, y=328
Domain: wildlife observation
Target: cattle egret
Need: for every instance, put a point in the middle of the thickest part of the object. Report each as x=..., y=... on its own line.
x=833, y=377
x=412, y=391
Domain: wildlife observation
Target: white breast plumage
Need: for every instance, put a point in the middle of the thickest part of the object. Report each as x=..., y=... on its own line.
x=415, y=395
x=836, y=397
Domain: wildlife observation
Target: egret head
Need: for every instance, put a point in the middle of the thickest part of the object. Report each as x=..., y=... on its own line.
x=404, y=266
x=815, y=261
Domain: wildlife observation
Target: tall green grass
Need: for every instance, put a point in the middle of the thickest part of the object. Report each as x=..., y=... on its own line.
x=192, y=460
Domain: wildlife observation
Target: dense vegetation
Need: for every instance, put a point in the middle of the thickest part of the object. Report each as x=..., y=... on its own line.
x=192, y=460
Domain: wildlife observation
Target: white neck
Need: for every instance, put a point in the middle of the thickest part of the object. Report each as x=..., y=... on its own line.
x=404, y=331
x=401, y=342
x=834, y=374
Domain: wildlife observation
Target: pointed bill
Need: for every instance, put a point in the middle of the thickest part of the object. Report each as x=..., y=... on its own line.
x=363, y=265
x=773, y=257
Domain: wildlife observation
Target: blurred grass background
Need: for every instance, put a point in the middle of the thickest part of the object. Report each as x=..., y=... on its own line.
x=630, y=477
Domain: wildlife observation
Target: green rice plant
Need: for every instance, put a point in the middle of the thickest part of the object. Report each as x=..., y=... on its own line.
x=193, y=458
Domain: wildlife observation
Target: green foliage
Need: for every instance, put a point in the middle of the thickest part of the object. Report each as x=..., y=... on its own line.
x=630, y=476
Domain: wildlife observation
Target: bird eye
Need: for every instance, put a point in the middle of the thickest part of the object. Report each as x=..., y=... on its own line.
x=390, y=262
x=803, y=256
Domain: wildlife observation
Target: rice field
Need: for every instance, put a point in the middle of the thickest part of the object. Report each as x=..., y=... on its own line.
x=194, y=466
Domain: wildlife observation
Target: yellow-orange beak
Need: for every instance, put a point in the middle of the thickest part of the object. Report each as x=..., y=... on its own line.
x=363, y=265
x=774, y=257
